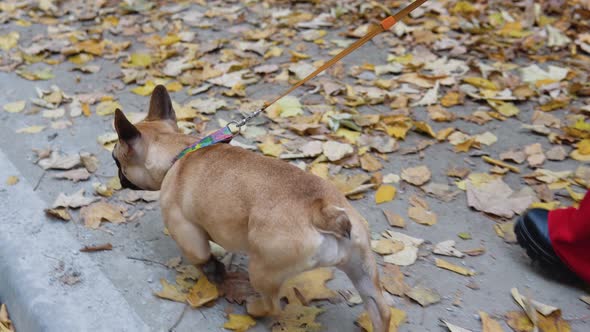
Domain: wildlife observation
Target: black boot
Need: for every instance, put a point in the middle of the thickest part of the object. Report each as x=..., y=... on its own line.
x=532, y=233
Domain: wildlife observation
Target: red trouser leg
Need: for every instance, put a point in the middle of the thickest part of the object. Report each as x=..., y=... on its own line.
x=569, y=231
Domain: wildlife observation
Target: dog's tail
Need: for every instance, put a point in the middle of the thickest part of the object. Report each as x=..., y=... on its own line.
x=331, y=219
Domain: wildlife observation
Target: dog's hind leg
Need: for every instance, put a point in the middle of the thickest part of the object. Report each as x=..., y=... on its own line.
x=194, y=244
x=361, y=268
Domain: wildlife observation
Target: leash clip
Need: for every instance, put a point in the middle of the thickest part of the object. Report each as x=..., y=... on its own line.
x=241, y=123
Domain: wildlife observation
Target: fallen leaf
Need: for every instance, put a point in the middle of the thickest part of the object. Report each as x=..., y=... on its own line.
x=447, y=248
x=101, y=247
x=311, y=285
x=397, y=318
x=441, y=191
x=497, y=198
x=297, y=318
x=454, y=328
x=59, y=213
x=30, y=130
x=489, y=324
x=95, y=213
x=370, y=163
x=107, y=107
x=542, y=308
x=394, y=220
x=416, y=175
x=424, y=296
x=384, y=194
x=12, y=180
x=236, y=287
x=239, y=323
x=392, y=280
x=422, y=215
x=75, y=200
x=79, y=174
x=520, y=322
x=202, y=293
x=171, y=292
x=269, y=148
x=335, y=151
x=15, y=107
x=409, y=254
x=386, y=246
x=452, y=267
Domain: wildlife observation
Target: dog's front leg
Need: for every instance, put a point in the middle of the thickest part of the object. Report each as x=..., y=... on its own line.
x=193, y=241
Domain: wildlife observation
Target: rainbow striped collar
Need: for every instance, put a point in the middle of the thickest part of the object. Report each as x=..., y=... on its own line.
x=223, y=135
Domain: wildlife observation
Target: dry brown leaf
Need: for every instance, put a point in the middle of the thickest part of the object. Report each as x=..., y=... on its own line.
x=392, y=280
x=95, y=213
x=394, y=219
x=171, y=292
x=75, y=200
x=416, y=175
x=311, y=285
x=421, y=215
x=424, y=296
x=78, y=174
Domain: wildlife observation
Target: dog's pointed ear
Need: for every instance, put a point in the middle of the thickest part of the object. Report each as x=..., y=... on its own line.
x=125, y=129
x=161, y=105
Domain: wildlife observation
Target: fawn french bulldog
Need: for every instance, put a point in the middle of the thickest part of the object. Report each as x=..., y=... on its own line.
x=286, y=220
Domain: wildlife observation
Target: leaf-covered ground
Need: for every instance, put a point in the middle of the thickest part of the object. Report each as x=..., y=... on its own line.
x=441, y=131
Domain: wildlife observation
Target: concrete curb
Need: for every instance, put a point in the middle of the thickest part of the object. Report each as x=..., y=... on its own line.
x=31, y=249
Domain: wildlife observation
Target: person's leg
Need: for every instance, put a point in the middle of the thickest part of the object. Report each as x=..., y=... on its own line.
x=569, y=232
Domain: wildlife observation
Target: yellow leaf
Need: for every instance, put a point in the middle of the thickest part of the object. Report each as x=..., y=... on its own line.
x=273, y=52
x=12, y=180
x=574, y=195
x=81, y=58
x=519, y=321
x=452, y=267
x=15, y=107
x=299, y=56
x=397, y=318
x=481, y=83
x=174, y=86
x=463, y=8
x=311, y=285
x=385, y=193
x=298, y=318
x=424, y=128
x=288, y=106
x=9, y=40
x=584, y=146
x=139, y=60
x=240, y=323
x=513, y=29
x=30, y=130
x=451, y=99
x=576, y=155
x=144, y=90
x=107, y=107
x=546, y=206
x=505, y=108
x=554, y=105
x=350, y=135
x=270, y=148
x=170, y=292
x=86, y=109
x=443, y=134
x=465, y=146
x=421, y=215
x=398, y=130
x=202, y=293
x=319, y=169
x=489, y=324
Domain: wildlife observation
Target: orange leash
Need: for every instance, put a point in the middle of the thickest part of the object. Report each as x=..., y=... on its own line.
x=385, y=25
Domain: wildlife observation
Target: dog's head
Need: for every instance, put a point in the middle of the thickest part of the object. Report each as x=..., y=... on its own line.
x=145, y=151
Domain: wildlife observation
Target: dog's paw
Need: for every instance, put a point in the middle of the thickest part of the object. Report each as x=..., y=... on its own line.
x=255, y=307
x=214, y=270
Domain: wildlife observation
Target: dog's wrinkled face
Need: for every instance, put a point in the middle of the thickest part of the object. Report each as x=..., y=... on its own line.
x=142, y=163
